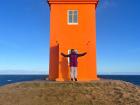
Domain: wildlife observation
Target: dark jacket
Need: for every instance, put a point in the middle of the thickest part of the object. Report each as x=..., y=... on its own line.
x=73, y=58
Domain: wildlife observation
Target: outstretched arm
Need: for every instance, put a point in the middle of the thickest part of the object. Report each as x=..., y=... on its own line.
x=65, y=55
x=82, y=54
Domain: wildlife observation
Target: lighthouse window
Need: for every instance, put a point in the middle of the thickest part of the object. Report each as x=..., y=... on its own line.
x=72, y=17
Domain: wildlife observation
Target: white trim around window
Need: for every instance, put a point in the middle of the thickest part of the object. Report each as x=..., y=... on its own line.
x=72, y=17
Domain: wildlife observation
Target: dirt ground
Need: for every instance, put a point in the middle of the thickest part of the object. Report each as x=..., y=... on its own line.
x=103, y=92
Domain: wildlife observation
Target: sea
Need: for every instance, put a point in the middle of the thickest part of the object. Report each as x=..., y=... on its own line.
x=8, y=79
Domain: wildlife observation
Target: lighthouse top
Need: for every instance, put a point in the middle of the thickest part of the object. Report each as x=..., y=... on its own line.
x=73, y=1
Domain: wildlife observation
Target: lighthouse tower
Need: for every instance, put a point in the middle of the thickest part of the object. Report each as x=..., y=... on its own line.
x=72, y=26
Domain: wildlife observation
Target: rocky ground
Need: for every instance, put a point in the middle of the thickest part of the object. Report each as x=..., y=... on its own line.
x=103, y=92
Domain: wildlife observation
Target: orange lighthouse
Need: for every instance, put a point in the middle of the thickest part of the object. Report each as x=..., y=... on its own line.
x=72, y=26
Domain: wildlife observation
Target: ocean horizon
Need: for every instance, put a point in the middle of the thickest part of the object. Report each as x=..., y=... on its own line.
x=8, y=79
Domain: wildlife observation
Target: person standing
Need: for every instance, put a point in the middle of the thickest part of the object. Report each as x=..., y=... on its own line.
x=73, y=56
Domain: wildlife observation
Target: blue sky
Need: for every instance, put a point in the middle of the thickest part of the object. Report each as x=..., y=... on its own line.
x=24, y=37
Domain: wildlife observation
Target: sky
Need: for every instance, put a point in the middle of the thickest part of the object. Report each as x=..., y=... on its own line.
x=24, y=37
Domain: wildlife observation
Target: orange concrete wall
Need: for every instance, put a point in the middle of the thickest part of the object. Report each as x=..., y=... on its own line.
x=81, y=37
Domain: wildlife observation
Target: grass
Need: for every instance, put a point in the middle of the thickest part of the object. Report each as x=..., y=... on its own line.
x=103, y=92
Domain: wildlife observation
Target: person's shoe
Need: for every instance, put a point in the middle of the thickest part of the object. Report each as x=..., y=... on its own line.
x=71, y=79
x=75, y=79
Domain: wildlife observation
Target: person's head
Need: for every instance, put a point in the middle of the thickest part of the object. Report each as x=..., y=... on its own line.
x=72, y=51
